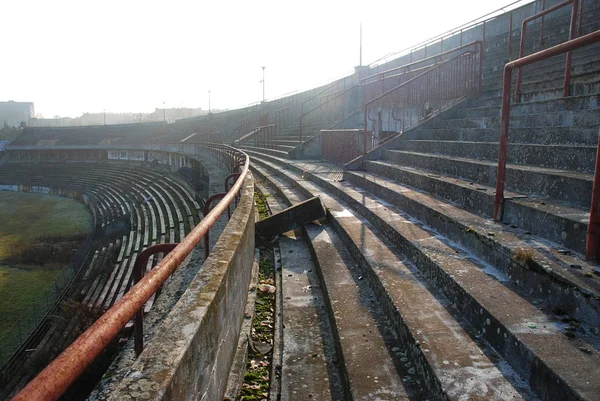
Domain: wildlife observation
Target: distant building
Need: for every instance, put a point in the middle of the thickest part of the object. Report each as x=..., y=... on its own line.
x=12, y=113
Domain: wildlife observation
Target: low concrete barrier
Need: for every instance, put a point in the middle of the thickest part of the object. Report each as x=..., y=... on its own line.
x=191, y=356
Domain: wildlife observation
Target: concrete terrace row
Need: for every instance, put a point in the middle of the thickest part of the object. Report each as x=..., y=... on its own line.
x=469, y=315
x=161, y=209
x=426, y=297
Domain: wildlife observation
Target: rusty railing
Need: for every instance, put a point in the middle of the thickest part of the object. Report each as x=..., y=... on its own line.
x=56, y=378
x=264, y=137
x=594, y=37
x=426, y=94
x=575, y=7
x=331, y=117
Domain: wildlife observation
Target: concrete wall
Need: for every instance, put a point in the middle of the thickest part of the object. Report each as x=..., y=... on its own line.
x=191, y=356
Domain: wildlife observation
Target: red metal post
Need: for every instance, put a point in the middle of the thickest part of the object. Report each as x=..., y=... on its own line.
x=591, y=246
x=580, y=17
x=503, y=149
x=206, y=210
x=481, y=52
x=56, y=378
x=365, y=130
x=138, y=273
x=483, y=35
x=572, y=29
x=564, y=47
x=510, y=24
x=542, y=25
x=524, y=34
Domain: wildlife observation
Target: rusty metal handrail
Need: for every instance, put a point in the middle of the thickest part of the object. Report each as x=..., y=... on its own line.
x=56, y=378
x=430, y=58
x=338, y=95
x=453, y=31
x=138, y=274
x=561, y=48
x=436, y=67
x=524, y=23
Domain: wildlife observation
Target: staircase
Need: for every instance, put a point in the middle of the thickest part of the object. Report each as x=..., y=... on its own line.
x=475, y=309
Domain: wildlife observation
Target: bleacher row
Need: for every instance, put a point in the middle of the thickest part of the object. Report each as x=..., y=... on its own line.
x=161, y=210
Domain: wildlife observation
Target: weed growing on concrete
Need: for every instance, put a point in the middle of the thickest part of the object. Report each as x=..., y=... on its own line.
x=257, y=382
x=523, y=255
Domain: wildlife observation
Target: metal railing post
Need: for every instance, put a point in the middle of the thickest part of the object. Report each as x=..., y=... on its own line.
x=542, y=25
x=510, y=24
x=591, y=246
x=503, y=148
x=565, y=47
x=572, y=29
x=206, y=210
x=138, y=273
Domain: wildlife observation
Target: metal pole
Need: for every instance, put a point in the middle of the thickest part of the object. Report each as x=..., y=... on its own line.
x=569, y=54
x=263, y=83
x=503, y=150
x=164, y=112
x=510, y=24
x=580, y=17
x=209, y=101
x=542, y=25
x=360, y=60
x=104, y=116
x=591, y=246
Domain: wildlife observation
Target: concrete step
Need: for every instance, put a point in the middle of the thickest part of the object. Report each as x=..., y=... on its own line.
x=574, y=188
x=494, y=65
x=574, y=158
x=584, y=118
x=587, y=84
x=440, y=354
x=284, y=148
x=542, y=135
x=364, y=338
x=308, y=345
x=554, y=68
x=288, y=141
x=511, y=326
x=274, y=152
x=549, y=269
x=575, y=103
x=558, y=223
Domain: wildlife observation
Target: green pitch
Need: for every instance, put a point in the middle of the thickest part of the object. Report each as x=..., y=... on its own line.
x=34, y=222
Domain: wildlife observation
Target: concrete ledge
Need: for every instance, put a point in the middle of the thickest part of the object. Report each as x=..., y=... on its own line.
x=190, y=357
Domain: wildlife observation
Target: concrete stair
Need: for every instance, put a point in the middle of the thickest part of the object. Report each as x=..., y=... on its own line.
x=472, y=267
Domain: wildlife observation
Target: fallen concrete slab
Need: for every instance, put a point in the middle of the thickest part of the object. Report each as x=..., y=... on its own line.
x=291, y=218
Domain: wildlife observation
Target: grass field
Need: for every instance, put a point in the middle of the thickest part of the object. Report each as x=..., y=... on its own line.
x=24, y=219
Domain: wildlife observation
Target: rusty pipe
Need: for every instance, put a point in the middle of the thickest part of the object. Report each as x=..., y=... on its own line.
x=56, y=378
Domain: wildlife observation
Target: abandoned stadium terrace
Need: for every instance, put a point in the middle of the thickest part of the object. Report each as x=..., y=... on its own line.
x=457, y=259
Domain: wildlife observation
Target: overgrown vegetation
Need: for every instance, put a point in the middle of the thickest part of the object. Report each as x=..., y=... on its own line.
x=257, y=379
x=39, y=234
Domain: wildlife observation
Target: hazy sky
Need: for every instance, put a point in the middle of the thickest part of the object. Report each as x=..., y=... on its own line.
x=128, y=55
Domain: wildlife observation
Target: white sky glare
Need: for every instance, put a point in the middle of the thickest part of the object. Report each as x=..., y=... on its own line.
x=70, y=57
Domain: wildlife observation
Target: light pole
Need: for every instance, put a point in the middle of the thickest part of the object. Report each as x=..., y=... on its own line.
x=209, y=101
x=104, y=111
x=263, y=82
x=164, y=112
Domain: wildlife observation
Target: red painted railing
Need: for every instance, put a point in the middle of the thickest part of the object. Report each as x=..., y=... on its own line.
x=575, y=7
x=420, y=97
x=56, y=378
x=564, y=47
x=324, y=118
x=264, y=137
